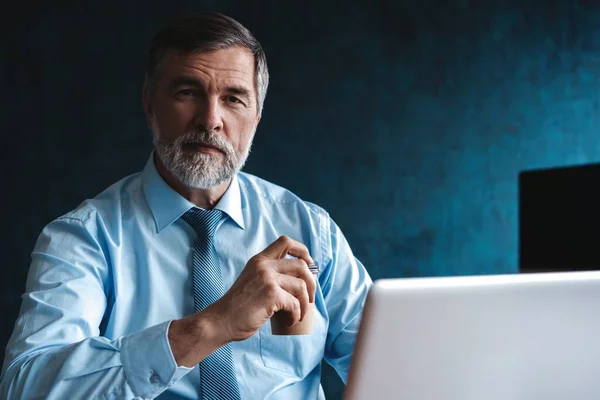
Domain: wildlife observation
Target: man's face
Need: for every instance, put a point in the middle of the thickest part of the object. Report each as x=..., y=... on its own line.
x=203, y=115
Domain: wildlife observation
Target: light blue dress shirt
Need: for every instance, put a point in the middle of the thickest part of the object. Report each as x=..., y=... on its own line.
x=107, y=278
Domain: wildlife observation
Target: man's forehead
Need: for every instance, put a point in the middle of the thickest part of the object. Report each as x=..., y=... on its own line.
x=236, y=62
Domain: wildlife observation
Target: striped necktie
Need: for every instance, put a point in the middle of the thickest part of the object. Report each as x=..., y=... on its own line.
x=217, y=371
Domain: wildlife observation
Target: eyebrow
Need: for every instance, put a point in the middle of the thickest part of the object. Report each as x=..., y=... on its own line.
x=183, y=81
x=188, y=80
x=238, y=90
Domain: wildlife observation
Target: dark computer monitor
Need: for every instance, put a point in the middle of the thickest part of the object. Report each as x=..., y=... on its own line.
x=559, y=219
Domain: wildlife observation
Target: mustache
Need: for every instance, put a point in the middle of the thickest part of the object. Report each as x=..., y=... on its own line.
x=206, y=138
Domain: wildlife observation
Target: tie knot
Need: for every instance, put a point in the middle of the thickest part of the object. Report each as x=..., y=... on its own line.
x=204, y=222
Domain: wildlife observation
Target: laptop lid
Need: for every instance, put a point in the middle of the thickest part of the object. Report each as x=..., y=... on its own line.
x=528, y=336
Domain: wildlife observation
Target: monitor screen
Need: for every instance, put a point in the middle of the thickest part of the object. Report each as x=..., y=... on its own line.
x=559, y=219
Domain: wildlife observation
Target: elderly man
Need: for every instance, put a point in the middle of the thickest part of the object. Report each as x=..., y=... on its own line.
x=164, y=285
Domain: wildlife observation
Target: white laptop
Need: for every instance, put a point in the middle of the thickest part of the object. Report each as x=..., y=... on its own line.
x=501, y=337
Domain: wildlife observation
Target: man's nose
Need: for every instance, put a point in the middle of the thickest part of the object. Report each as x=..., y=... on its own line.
x=209, y=115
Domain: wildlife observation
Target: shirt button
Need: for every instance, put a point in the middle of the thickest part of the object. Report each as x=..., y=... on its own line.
x=154, y=378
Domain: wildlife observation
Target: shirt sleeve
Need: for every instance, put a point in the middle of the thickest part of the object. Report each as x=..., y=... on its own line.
x=56, y=350
x=345, y=283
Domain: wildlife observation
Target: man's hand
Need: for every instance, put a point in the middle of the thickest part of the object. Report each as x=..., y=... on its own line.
x=269, y=283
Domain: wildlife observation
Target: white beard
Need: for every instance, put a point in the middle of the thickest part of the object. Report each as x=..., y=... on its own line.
x=199, y=170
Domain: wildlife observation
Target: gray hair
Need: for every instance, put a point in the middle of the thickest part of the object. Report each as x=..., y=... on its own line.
x=198, y=33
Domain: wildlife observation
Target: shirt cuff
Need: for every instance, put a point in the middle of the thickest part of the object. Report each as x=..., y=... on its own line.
x=148, y=361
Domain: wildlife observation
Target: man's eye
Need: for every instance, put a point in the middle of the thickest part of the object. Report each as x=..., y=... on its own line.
x=186, y=92
x=233, y=99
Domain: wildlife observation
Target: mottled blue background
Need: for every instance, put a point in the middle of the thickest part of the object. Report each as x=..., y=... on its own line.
x=409, y=121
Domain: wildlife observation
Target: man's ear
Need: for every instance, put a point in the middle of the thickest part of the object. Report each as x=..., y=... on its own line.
x=147, y=104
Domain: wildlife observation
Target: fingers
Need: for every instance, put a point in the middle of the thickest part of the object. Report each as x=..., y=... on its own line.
x=297, y=288
x=270, y=282
x=297, y=268
x=291, y=305
x=284, y=246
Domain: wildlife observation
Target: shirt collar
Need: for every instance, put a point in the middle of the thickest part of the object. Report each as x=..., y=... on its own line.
x=167, y=205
